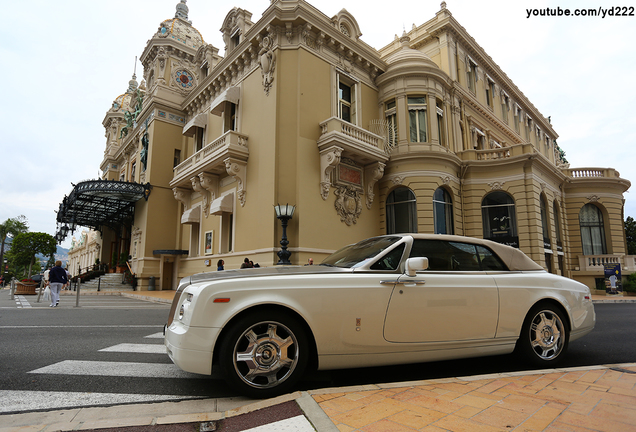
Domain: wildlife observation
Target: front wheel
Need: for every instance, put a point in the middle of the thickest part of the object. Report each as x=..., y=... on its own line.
x=544, y=336
x=264, y=354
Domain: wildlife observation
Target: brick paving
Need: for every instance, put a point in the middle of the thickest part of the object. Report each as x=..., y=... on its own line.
x=583, y=399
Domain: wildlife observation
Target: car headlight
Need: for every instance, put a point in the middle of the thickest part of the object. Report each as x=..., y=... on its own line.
x=185, y=306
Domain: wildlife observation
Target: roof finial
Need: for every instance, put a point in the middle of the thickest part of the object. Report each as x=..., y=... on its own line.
x=182, y=11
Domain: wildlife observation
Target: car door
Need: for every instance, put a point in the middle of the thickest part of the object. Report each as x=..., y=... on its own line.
x=451, y=301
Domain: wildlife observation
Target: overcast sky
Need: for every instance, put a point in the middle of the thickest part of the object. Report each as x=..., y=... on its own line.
x=65, y=62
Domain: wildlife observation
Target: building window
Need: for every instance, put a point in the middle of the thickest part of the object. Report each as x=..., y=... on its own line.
x=499, y=219
x=235, y=39
x=417, y=119
x=557, y=225
x=177, y=158
x=471, y=75
x=133, y=170
x=346, y=99
x=518, y=119
x=391, y=123
x=544, y=224
x=199, y=139
x=528, y=128
x=230, y=116
x=441, y=130
x=490, y=93
x=401, y=211
x=592, y=230
x=443, y=212
x=505, y=107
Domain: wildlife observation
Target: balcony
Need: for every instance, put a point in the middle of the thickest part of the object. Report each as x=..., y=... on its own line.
x=356, y=143
x=579, y=173
x=496, y=153
x=596, y=263
x=212, y=158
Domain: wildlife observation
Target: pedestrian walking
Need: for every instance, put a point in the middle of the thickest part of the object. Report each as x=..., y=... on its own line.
x=246, y=264
x=57, y=279
x=220, y=265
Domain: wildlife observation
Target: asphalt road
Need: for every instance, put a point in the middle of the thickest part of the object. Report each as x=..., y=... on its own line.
x=110, y=351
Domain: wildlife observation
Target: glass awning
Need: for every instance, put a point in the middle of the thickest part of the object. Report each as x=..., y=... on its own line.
x=98, y=203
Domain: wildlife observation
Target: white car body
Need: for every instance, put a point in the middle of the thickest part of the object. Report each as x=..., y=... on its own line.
x=356, y=317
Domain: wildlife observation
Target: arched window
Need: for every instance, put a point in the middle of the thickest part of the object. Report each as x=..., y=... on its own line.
x=544, y=223
x=443, y=212
x=499, y=219
x=592, y=230
x=401, y=211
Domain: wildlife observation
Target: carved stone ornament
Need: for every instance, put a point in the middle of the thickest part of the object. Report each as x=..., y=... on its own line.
x=237, y=169
x=397, y=180
x=593, y=198
x=183, y=196
x=348, y=204
x=329, y=159
x=210, y=183
x=446, y=180
x=267, y=60
x=372, y=174
x=196, y=185
x=496, y=185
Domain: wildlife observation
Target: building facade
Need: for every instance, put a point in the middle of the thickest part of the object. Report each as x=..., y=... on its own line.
x=426, y=134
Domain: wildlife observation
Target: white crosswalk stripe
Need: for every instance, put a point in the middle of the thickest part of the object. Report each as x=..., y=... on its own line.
x=13, y=401
x=115, y=369
x=137, y=348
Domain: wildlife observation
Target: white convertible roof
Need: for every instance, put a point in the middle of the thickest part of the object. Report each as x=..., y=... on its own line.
x=512, y=257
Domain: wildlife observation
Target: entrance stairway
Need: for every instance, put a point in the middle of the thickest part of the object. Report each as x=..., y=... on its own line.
x=110, y=282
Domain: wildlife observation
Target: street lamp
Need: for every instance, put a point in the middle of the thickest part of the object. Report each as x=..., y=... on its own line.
x=284, y=214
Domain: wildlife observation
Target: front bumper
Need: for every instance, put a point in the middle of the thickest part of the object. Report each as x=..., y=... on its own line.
x=190, y=348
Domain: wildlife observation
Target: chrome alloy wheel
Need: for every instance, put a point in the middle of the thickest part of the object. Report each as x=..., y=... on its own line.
x=266, y=354
x=546, y=335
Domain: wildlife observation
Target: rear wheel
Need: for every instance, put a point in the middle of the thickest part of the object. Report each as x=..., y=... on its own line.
x=264, y=354
x=544, y=336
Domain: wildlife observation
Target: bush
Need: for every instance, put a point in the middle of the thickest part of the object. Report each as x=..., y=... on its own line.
x=629, y=283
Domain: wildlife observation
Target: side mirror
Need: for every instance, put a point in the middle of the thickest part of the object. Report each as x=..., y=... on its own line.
x=415, y=264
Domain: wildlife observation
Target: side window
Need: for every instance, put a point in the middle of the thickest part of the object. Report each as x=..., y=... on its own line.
x=490, y=261
x=435, y=251
x=390, y=261
x=456, y=256
x=463, y=257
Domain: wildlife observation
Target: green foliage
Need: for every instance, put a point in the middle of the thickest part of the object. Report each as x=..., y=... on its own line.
x=11, y=227
x=26, y=246
x=629, y=283
x=630, y=235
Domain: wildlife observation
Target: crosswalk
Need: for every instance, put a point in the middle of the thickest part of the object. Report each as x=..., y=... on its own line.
x=88, y=302
x=20, y=401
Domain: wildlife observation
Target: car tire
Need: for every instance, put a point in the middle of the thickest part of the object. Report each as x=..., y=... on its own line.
x=264, y=354
x=544, y=336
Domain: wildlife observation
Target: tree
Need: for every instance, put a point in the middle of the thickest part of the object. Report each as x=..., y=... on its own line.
x=12, y=227
x=630, y=235
x=26, y=246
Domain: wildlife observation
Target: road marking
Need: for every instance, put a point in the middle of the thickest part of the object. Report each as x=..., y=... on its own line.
x=116, y=369
x=19, y=400
x=22, y=302
x=156, y=336
x=137, y=348
x=298, y=423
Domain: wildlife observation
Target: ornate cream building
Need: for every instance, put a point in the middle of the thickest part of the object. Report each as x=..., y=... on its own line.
x=426, y=134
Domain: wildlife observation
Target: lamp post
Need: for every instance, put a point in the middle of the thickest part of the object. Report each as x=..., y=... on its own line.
x=284, y=214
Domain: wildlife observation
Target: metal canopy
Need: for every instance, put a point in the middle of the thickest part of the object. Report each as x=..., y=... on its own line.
x=98, y=203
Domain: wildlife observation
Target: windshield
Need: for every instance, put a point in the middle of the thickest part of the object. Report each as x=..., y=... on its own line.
x=359, y=254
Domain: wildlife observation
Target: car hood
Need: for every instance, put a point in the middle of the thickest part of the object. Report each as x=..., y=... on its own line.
x=261, y=271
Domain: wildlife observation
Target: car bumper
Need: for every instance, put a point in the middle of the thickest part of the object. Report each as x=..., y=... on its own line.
x=190, y=348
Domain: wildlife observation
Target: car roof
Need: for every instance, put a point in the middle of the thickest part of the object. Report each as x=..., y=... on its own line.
x=514, y=258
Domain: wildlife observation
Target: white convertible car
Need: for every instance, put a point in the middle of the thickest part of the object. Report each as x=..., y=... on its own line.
x=386, y=300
